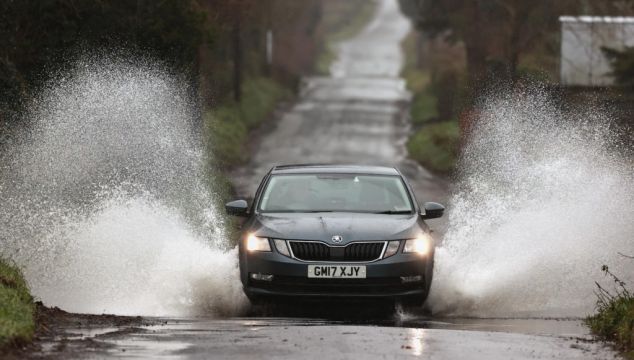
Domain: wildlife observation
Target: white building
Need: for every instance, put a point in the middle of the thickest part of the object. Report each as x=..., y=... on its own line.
x=582, y=37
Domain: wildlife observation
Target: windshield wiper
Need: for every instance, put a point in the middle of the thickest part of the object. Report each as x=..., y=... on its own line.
x=391, y=212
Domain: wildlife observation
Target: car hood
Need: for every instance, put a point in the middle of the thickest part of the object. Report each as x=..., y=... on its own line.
x=350, y=226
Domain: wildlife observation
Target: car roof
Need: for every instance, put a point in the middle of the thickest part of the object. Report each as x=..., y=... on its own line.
x=341, y=169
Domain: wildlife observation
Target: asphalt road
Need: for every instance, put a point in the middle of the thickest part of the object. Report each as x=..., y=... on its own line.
x=333, y=334
x=358, y=115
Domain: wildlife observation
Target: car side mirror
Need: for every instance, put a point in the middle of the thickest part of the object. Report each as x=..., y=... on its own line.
x=237, y=208
x=432, y=210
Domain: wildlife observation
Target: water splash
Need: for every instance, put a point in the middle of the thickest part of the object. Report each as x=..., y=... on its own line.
x=105, y=202
x=545, y=197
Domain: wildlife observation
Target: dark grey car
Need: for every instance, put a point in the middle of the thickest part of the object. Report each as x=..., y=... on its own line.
x=336, y=231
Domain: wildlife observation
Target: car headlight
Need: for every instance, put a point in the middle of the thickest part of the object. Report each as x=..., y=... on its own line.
x=392, y=248
x=421, y=245
x=255, y=243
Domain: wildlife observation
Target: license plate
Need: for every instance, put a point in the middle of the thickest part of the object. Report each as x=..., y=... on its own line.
x=336, y=271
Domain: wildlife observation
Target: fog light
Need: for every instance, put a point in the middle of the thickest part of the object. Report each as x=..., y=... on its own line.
x=261, y=277
x=255, y=243
x=421, y=245
x=409, y=279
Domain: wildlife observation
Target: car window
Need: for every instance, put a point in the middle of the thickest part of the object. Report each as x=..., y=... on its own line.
x=335, y=192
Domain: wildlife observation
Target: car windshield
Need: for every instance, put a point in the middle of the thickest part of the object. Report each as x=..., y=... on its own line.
x=336, y=192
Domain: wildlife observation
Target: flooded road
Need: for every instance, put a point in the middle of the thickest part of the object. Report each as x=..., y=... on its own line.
x=357, y=115
x=292, y=338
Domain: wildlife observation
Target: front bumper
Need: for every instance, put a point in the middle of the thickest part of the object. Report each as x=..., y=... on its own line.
x=290, y=278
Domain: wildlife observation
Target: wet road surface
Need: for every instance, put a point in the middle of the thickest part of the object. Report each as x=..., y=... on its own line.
x=293, y=338
x=358, y=115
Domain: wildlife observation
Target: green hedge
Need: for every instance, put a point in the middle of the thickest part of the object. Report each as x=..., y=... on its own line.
x=424, y=108
x=228, y=125
x=436, y=146
x=17, y=310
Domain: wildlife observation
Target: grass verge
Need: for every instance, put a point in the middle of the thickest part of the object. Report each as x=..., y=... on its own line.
x=614, y=320
x=341, y=20
x=228, y=125
x=17, y=310
x=435, y=146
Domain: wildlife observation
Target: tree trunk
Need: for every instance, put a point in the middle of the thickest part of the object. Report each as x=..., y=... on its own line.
x=237, y=59
x=476, y=48
x=518, y=21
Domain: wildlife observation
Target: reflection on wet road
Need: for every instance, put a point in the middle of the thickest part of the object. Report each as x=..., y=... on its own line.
x=318, y=339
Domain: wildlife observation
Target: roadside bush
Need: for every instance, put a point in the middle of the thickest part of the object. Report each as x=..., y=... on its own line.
x=228, y=125
x=614, y=320
x=260, y=96
x=227, y=135
x=436, y=146
x=424, y=105
x=17, y=310
x=444, y=86
x=433, y=73
x=622, y=63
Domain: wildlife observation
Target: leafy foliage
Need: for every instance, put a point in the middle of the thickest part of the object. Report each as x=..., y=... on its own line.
x=424, y=105
x=228, y=125
x=614, y=319
x=39, y=35
x=17, y=310
x=496, y=34
x=622, y=63
x=436, y=146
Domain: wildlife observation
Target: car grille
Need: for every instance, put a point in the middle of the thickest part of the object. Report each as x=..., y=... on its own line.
x=317, y=251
